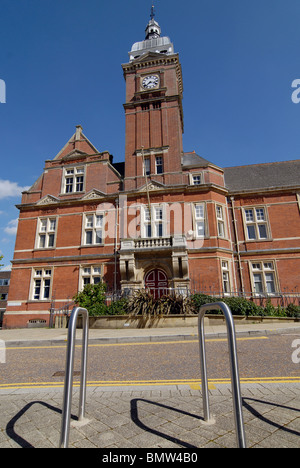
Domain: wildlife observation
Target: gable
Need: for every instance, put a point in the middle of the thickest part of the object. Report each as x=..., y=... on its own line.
x=93, y=194
x=48, y=200
x=151, y=186
x=77, y=146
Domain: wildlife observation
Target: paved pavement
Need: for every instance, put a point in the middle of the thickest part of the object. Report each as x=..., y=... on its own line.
x=151, y=417
x=15, y=337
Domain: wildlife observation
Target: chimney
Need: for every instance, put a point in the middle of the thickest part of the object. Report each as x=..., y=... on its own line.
x=78, y=132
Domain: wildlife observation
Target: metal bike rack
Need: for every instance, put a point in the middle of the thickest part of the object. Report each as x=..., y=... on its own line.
x=235, y=380
x=67, y=400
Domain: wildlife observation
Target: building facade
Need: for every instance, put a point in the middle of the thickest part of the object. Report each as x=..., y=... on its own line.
x=4, y=288
x=165, y=218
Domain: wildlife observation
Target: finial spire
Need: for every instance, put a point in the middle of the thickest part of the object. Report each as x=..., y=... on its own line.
x=152, y=14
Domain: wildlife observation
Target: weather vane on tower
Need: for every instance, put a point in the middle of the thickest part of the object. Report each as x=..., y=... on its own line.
x=152, y=14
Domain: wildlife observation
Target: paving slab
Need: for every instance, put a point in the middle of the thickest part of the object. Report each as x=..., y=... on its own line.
x=160, y=418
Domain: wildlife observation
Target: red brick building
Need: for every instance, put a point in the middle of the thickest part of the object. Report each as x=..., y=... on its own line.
x=164, y=218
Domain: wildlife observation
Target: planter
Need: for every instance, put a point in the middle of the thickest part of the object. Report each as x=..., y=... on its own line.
x=169, y=321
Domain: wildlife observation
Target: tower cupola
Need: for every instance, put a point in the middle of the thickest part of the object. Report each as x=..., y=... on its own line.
x=153, y=30
x=153, y=42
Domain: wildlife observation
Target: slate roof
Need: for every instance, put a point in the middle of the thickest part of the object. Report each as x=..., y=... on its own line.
x=284, y=174
x=194, y=160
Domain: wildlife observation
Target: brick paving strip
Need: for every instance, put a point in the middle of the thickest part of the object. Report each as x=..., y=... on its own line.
x=168, y=416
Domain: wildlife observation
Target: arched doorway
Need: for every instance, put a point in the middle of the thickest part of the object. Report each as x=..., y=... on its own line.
x=157, y=282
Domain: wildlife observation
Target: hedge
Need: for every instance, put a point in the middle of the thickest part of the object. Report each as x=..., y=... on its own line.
x=93, y=298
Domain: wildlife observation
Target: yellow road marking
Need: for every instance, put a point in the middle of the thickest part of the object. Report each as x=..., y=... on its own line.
x=146, y=343
x=194, y=384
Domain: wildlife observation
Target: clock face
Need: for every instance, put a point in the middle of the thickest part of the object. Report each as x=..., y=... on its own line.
x=150, y=82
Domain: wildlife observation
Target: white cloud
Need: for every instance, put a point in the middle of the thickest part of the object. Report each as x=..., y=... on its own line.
x=10, y=189
x=12, y=227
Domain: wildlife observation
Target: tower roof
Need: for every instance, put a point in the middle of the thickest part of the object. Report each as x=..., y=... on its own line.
x=153, y=42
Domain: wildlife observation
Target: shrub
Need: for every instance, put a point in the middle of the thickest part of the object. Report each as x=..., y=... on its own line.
x=293, y=310
x=143, y=303
x=238, y=305
x=241, y=306
x=201, y=299
x=118, y=307
x=92, y=298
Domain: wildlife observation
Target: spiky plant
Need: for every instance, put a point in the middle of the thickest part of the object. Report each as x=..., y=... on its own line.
x=143, y=303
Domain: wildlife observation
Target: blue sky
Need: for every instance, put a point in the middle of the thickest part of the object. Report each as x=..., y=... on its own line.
x=61, y=63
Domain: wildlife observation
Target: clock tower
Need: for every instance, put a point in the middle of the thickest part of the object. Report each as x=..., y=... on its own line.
x=153, y=111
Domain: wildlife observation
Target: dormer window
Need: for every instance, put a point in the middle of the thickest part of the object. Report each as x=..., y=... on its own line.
x=196, y=179
x=73, y=180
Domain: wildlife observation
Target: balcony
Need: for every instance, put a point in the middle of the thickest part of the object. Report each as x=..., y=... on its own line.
x=152, y=243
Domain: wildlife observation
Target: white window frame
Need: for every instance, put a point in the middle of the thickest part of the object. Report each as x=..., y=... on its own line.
x=159, y=163
x=196, y=178
x=147, y=166
x=157, y=223
x=71, y=182
x=46, y=230
x=90, y=273
x=263, y=269
x=226, y=277
x=221, y=225
x=200, y=218
x=256, y=223
x=41, y=284
x=93, y=223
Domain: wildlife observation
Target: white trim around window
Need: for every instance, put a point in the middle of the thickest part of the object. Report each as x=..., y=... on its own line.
x=256, y=223
x=263, y=276
x=159, y=164
x=90, y=274
x=41, y=284
x=200, y=220
x=73, y=179
x=156, y=224
x=226, y=276
x=221, y=221
x=46, y=232
x=196, y=178
x=93, y=229
x=147, y=166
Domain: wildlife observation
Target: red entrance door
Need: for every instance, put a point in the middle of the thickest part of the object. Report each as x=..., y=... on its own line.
x=157, y=282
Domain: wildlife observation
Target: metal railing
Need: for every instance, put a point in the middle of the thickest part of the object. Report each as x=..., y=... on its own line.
x=278, y=298
x=67, y=399
x=235, y=380
x=59, y=317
